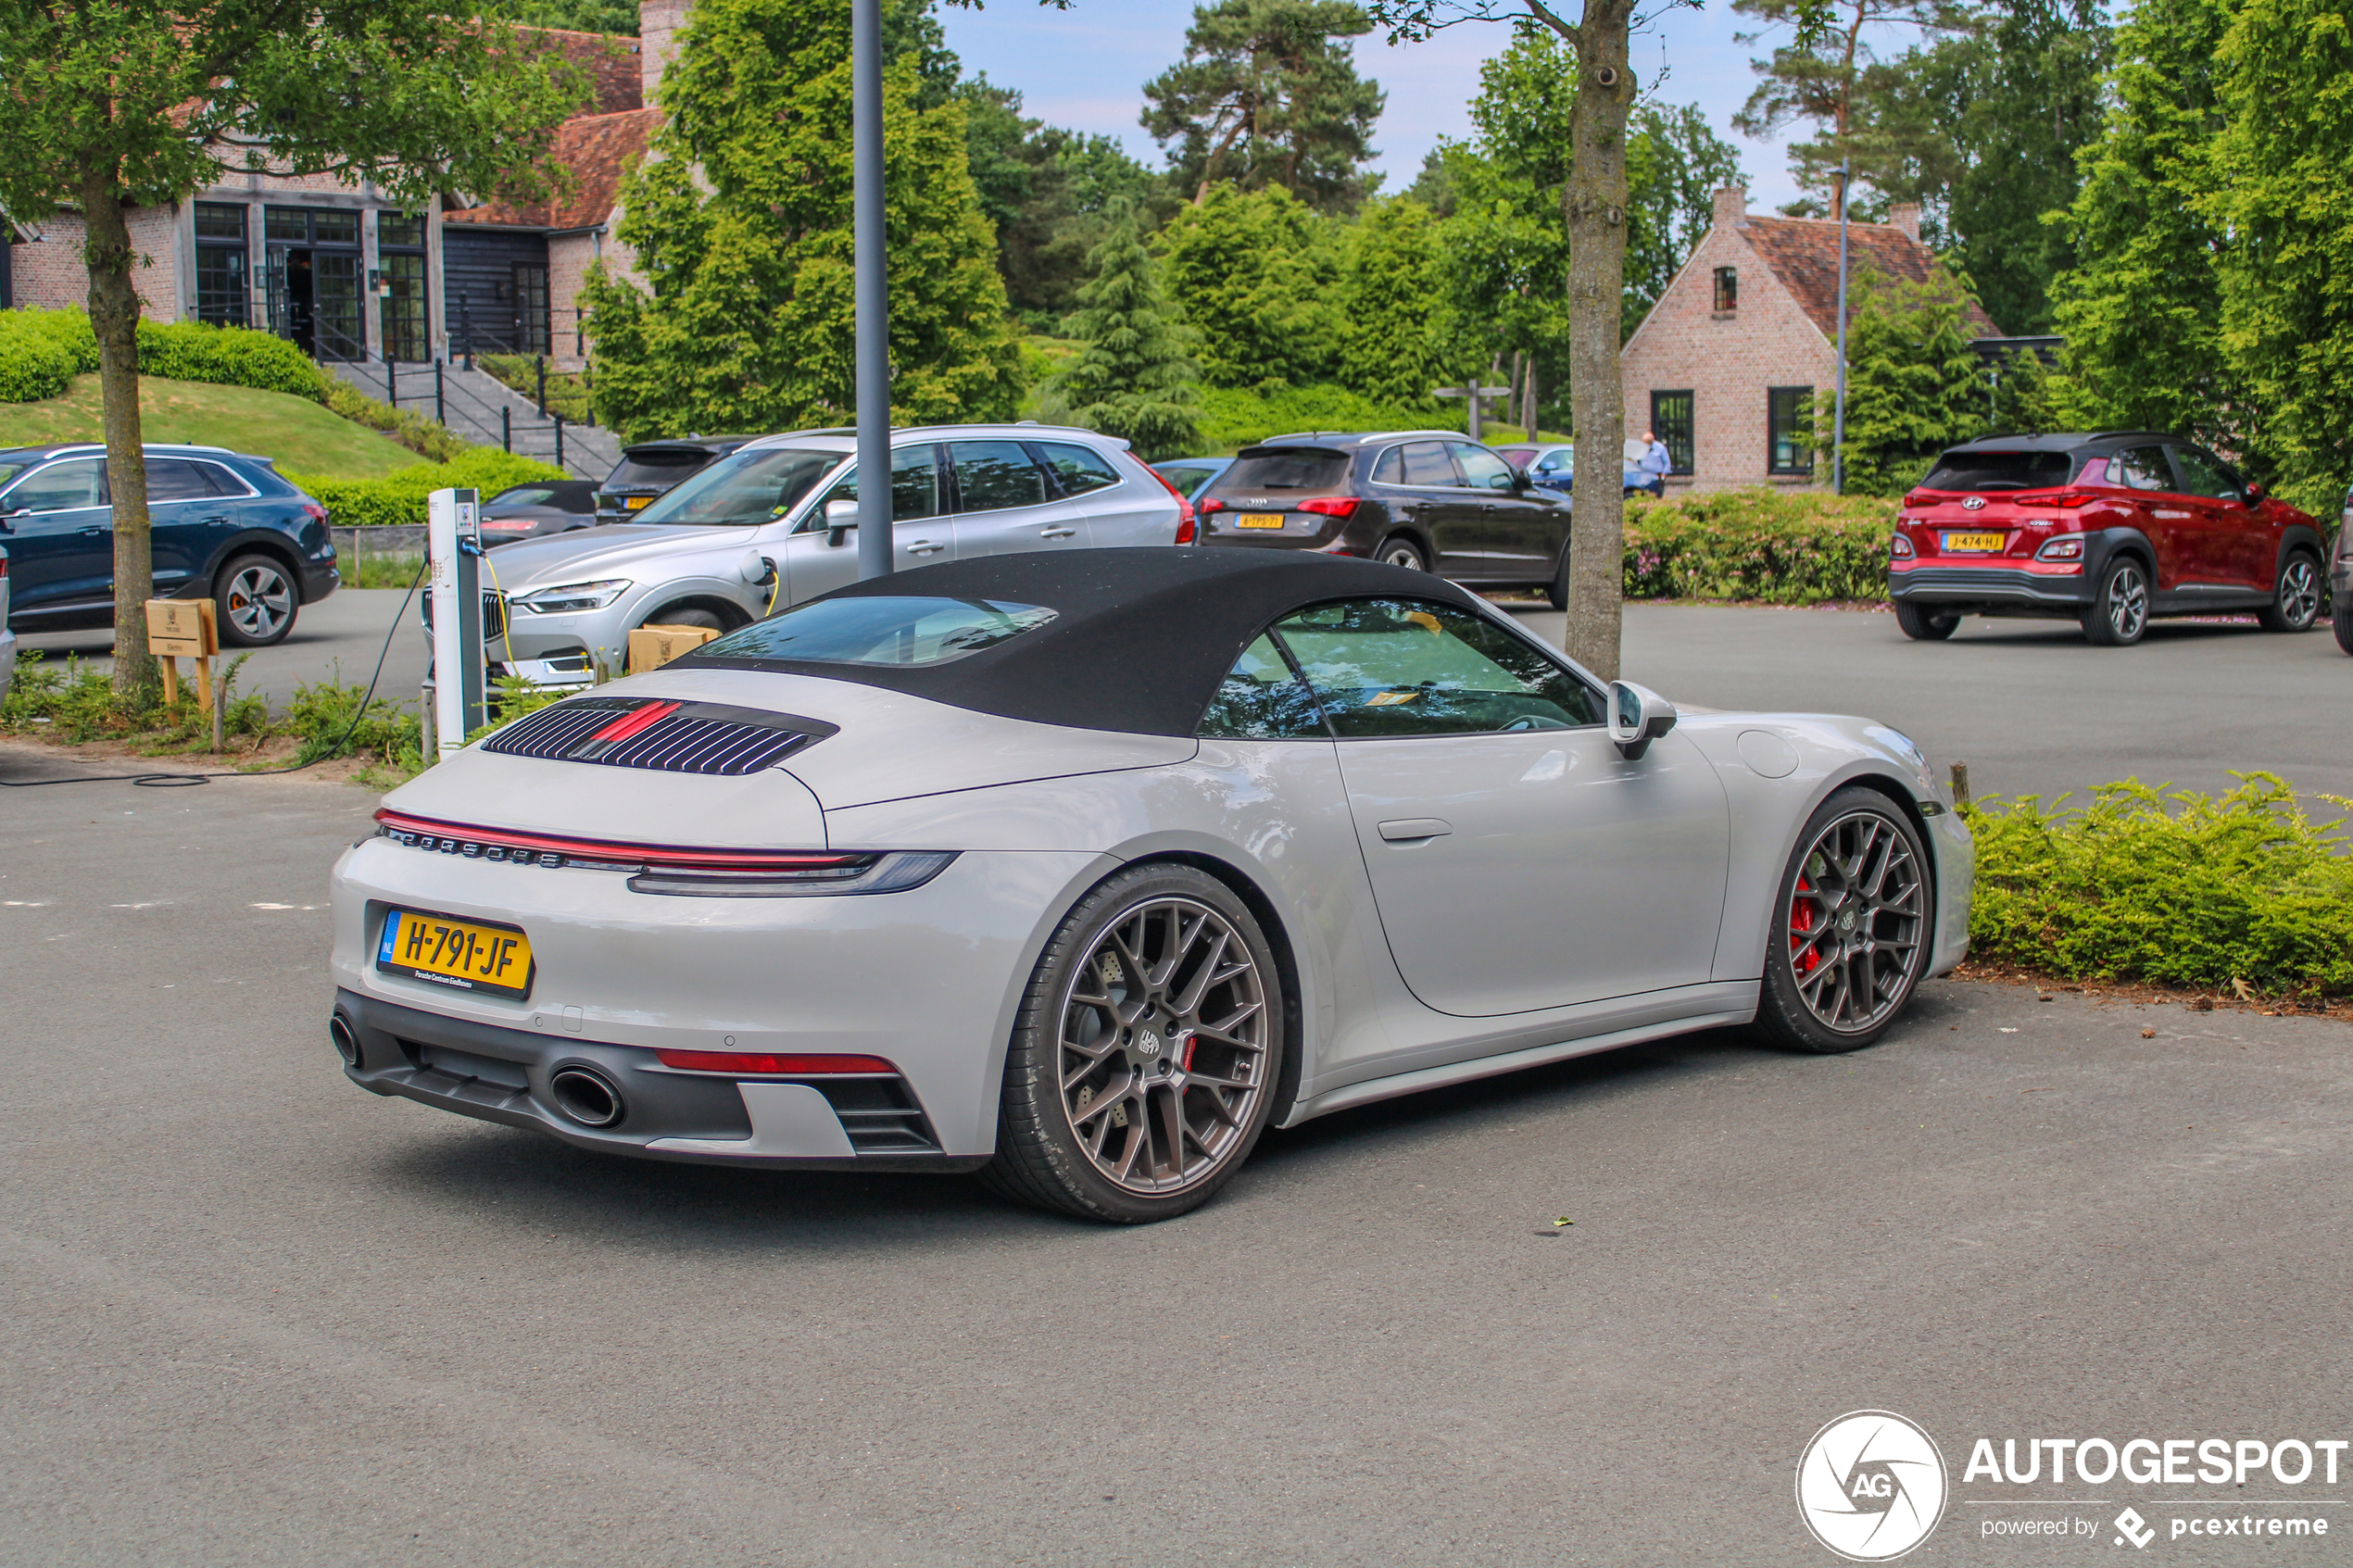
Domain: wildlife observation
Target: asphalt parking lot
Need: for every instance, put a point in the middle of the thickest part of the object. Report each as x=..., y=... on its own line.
x=2029, y=705
x=259, y=1317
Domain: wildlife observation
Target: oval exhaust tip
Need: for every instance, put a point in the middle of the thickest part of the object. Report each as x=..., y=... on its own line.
x=587, y=1096
x=347, y=1041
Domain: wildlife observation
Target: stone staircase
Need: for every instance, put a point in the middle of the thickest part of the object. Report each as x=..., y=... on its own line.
x=478, y=407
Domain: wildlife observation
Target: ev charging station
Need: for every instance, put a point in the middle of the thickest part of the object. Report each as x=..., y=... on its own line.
x=453, y=550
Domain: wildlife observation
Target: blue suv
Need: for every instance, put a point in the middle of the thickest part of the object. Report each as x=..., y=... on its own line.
x=226, y=527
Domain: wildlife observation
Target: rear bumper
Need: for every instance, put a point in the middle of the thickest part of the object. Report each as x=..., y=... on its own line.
x=2009, y=587
x=319, y=580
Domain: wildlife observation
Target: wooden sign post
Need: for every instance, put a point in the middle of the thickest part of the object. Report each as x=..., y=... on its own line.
x=1475, y=395
x=181, y=629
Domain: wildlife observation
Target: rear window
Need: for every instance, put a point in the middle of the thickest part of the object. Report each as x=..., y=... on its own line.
x=1078, y=469
x=522, y=496
x=657, y=467
x=751, y=487
x=1290, y=468
x=881, y=629
x=2000, y=471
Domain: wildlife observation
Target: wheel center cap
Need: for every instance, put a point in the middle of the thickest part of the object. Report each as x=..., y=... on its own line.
x=1847, y=919
x=1148, y=1043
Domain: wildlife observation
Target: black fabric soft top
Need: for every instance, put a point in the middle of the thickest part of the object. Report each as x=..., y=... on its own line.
x=1141, y=640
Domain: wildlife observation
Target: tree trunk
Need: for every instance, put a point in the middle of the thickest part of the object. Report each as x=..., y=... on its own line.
x=1595, y=202
x=114, y=317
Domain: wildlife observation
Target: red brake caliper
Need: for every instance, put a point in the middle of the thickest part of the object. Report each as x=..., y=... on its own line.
x=1801, y=920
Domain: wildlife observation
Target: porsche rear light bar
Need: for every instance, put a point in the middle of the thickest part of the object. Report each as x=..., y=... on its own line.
x=796, y=1065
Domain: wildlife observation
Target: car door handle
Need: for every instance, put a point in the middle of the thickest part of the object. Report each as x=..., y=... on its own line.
x=924, y=547
x=1412, y=830
x=91, y=533
x=1059, y=534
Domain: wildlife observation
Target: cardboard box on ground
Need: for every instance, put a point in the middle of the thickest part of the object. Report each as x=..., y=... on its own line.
x=651, y=647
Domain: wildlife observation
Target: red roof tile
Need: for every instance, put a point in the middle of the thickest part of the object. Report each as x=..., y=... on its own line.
x=1802, y=253
x=598, y=149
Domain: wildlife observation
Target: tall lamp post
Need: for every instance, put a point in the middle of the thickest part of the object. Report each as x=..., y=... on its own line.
x=1838, y=421
x=873, y=293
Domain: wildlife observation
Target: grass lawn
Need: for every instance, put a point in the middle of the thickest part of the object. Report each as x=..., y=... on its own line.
x=300, y=435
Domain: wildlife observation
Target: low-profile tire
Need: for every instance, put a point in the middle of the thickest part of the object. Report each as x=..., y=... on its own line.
x=2118, y=613
x=257, y=600
x=1398, y=550
x=2296, y=599
x=1144, y=1061
x=1852, y=919
x=1556, y=594
x=1926, y=625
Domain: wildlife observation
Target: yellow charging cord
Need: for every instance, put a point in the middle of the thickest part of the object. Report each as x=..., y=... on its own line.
x=505, y=615
x=778, y=573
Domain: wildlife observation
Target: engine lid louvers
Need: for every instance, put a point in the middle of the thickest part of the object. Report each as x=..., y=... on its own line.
x=661, y=733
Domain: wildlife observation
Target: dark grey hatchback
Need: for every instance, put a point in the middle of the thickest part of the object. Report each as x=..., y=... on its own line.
x=226, y=527
x=1428, y=499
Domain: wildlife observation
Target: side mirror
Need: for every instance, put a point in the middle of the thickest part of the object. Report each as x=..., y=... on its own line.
x=1637, y=716
x=2254, y=493
x=8, y=518
x=1521, y=483
x=840, y=517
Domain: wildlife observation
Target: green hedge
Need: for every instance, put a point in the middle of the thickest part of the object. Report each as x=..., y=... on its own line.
x=400, y=498
x=1234, y=417
x=41, y=349
x=1779, y=546
x=2179, y=889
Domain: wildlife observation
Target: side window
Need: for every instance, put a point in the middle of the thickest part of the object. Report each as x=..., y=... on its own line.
x=2143, y=468
x=169, y=478
x=224, y=483
x=2202, y=475
x=991, y=475
x=1391, y=469
x=1261, y=699
x=60, y=487
x=1425, y=462
x=1077, y=469
x=1482, y=469
x=915, y=488
x=1408, y=667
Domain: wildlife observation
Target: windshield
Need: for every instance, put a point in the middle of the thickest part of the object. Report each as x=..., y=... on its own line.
x=749, y=488
x=880, y=630
x=1999, y=471
x=657, y=465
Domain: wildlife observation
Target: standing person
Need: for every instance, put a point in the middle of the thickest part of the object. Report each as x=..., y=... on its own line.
x=1655, y=462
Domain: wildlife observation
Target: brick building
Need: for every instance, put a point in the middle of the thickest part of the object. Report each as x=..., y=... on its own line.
x=348, y=276
x=1724, y=364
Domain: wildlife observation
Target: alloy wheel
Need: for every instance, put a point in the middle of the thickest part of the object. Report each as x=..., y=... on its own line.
x=259, y=601
x=1163, y=1046
x=1856, y=917
x=2128, y=603
x=2301, y=593
x=1403, y=554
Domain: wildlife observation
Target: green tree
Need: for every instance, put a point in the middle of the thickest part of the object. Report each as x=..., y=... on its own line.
x=1817, y=77
x=1913, y=385
x=1049, y=192
x=1135, y=377
x=580, y=16
x=739, y=222
x=105, y=109
x=2142, y=310
x=2284, y=196
x=1267, y=93
x=1391, y=294
x=1256, y=273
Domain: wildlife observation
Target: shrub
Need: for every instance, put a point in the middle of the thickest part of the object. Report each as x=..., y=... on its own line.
x=2177, y=888
x=321, y=713
x=567, y=390
x=1780, y=546
x=400, y=498
x=435, y=441
x=42, y=351
x=227, y=357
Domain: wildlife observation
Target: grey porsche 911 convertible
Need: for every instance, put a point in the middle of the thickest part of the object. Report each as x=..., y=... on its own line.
x=1081, y=869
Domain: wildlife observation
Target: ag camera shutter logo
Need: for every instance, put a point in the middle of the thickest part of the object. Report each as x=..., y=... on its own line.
x=1870, y=1485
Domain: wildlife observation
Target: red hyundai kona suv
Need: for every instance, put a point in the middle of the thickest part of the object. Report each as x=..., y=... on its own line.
x=2109, y=530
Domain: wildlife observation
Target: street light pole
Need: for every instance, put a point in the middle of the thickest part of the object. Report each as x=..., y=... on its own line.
x=873, y=289
x=1838, y=423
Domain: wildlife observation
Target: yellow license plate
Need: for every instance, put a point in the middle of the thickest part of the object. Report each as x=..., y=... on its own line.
x=462, y=954
x=1251, y=521
x=635, y=502
x=1984, y=542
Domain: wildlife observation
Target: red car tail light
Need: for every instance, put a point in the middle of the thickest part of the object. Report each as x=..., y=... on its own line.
x=1188, y=526
x=474, y=843
x=793, y=1066
x=1900, y=548
x=1212, y=503
x=2067, y=547
x=312, y=508
x=1329, y=505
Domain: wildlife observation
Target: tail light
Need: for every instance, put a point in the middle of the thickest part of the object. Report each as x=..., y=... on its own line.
x=2067, y=546
x=1212, y=503
x=2066, y=499
x=1188, y=525
x=797, y=1065
x=1329, y=505
x=313, y=510
x=1899, y=547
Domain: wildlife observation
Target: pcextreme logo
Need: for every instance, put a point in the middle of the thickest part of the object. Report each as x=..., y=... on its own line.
x=1870, y=1485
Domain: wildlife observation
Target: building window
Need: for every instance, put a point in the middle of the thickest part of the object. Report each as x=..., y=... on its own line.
x=312, y=261
x=222, y=288
x=1728, y=288
x=1789, y=434
x=1672, y=422
x=400, y=255
x=530, y=299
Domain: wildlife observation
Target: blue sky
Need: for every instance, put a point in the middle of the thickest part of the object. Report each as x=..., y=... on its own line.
x=1086, y=67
